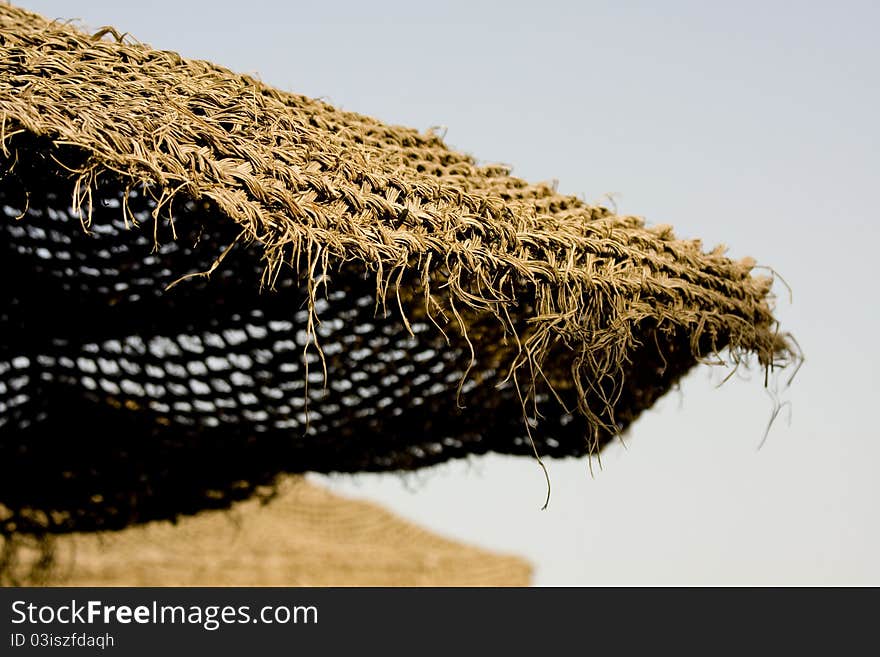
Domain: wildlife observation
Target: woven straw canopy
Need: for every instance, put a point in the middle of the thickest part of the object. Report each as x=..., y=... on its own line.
x=306, y=536
x=207, y=282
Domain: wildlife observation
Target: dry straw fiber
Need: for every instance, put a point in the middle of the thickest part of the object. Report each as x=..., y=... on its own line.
x=208, y=282
x=306, y=536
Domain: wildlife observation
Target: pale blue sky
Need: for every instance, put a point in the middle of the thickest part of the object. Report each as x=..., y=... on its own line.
x=752, y=124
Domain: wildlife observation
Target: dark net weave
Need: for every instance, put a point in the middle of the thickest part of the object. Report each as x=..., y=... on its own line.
x=120, y=401
x=353, y=319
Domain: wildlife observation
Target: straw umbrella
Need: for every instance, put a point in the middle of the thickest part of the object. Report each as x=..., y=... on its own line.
x=217, y=282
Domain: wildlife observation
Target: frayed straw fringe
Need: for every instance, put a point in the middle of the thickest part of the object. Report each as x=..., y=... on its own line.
x=315, y=188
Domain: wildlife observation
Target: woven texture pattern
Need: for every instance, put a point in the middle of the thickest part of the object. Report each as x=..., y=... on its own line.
x=208, y=282
x=306, y=536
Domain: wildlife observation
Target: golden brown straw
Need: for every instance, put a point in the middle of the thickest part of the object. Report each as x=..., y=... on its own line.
x=544, y=294
x=306, y=536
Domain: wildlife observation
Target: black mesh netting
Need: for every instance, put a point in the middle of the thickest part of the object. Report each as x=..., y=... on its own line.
x=122, y=402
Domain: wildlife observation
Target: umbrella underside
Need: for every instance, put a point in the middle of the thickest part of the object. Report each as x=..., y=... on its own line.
x=208, y=283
